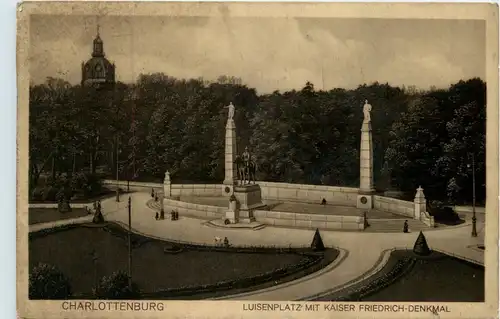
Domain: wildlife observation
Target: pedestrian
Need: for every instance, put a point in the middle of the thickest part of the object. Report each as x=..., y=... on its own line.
x=405, y=227
x=323, y=202
x=152, y=193
x=226, y=242
x=156, y=216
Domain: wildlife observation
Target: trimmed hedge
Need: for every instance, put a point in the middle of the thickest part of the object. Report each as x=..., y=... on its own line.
x=401, y=267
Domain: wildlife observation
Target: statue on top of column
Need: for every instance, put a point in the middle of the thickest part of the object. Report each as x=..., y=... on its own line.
x=231, y=111
x=367, y=108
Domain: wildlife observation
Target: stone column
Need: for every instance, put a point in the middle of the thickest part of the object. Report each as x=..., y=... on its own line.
x=230, y=175
x=167, y=186
x=366, y=189
x=420, y=203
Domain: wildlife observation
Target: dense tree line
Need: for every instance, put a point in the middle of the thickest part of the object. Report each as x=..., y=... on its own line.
x=309, y=136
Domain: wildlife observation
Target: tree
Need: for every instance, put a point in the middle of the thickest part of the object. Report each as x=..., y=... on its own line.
x=466, y=139
x=431, y=140
x=47, y=282
x=116, y=286
x=298, y=136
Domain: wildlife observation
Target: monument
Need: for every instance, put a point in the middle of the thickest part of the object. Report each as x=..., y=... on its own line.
x=239, y=183
x=366, y=189
x=230, y=176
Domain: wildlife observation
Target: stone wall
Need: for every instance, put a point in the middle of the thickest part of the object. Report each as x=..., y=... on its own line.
x=204, y=190
x=395, y=206
x=312, y=221
x=345, y=196
x=427, y=219
x=193, y=210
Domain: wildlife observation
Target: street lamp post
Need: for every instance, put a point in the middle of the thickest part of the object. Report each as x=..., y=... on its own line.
x=94, y=259
x=474, y=219
x=117, y=176
x=129, y=243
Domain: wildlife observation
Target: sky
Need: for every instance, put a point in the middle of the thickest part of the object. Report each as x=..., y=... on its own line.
x=266, y=53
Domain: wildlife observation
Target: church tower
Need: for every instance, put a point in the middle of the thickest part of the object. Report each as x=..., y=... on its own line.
x=98, y=71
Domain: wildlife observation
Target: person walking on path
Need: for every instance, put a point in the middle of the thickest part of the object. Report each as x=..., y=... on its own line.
x=405, y=227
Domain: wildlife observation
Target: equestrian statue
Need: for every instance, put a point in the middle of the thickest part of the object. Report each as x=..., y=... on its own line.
x=246, y=167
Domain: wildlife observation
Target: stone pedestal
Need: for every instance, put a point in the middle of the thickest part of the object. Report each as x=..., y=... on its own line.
x=366, y=159
x=230, y=173
x=364, y=201
x=420, y=203
x=366, y=189
x=249, y=198
x=167, y=186
x=232, y=216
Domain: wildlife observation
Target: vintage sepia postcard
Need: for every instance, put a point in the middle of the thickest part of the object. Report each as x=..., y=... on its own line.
x=257, y=160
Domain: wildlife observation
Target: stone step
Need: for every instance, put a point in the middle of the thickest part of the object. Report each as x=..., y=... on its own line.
x=394, y=225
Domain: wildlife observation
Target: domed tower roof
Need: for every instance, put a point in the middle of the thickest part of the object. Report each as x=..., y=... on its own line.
x=98, y=70
x=98, y=46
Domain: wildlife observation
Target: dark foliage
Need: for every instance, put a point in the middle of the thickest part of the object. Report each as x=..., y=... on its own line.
x=88, y=184
x=47, y=282
x=116, y=286
x=444, y=214
x=299, y=136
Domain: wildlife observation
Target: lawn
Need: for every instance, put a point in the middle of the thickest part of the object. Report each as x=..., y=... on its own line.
x=437, y=278
x=153, y=270
x=44, y=215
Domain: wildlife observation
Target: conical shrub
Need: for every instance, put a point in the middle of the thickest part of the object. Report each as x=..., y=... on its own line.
x=421, y=248
x=98, y=217
x=317, y=242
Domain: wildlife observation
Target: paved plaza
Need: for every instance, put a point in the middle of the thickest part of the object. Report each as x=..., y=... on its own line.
x=362, y=253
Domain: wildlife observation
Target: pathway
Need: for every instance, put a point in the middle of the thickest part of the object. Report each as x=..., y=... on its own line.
x=363, y=250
